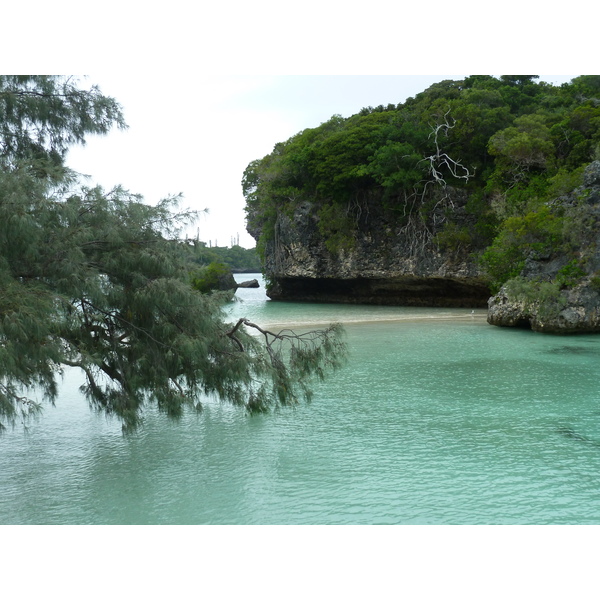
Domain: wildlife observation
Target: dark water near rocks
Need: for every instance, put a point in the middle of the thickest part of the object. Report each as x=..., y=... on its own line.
x=438, y=419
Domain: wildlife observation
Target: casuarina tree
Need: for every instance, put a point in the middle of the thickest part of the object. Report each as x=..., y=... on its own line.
x=97, y=280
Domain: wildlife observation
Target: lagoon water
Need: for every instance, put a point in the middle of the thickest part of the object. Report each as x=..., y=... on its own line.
x=438, y=418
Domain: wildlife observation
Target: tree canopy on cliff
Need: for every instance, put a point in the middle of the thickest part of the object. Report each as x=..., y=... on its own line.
x=512, y=143
x=97, y=280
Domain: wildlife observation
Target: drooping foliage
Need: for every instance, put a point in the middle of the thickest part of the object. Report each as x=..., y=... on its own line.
x=42, y=116
x=511, y=143
x=97, y=280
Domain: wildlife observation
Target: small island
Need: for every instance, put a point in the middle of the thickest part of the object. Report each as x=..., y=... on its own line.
x=479, y=192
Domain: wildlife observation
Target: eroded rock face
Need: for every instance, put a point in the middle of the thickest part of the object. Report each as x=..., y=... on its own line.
x=577, y=309
x=580, y=314
x=398, y=291
x=384, y=265
x=591, y=176
x=394, y=265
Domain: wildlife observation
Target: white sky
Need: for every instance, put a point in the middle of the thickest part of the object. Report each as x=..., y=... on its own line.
x=197, y=135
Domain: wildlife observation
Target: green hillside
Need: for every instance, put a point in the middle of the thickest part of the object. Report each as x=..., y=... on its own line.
x=513, y=144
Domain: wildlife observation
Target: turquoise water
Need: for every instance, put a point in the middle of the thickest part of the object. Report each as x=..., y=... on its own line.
x=439, y=418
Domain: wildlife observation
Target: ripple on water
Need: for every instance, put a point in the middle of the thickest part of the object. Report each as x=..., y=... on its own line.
x=434, y=421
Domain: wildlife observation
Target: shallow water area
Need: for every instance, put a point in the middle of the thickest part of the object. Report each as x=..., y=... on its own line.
x=254, y=304
x=439, y=418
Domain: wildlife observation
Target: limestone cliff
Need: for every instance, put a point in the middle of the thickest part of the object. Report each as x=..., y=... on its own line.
x=542, y=298
x=382, y=263
x=403, y=263
x=436, y=201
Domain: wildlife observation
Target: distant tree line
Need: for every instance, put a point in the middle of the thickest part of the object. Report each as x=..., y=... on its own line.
x=238, y=259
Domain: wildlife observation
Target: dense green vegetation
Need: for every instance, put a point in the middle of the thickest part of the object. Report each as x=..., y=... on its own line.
x=212, y=277
x=212, y=268
x=512, y=143
x=98, y=280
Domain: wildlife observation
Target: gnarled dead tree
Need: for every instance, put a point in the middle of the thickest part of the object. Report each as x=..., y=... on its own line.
x=419, y=229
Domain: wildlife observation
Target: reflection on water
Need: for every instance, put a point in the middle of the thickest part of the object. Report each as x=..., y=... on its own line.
x=439, y=418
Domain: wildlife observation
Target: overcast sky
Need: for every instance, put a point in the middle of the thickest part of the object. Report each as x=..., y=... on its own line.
x=196, y=135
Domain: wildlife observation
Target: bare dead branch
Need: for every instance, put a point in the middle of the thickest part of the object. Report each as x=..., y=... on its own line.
x=418, y=231
x=231, y=334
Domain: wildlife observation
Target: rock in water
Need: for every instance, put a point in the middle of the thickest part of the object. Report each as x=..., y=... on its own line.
x=580, y=312
x=252, y=283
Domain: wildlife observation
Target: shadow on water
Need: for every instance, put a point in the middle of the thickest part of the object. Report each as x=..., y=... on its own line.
x=570, y=433
x=577, y=350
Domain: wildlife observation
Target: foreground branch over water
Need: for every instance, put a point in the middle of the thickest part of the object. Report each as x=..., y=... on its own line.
x=96, y=280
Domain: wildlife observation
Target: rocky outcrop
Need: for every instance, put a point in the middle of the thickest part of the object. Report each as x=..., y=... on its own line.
x=578, y=312
x=405, y=264
x=252, y=283
x=571, y=308
x=383, y=264
x=224, y=282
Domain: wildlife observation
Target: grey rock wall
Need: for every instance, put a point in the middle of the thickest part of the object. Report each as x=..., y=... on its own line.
x=393, y=265
x=385, y=265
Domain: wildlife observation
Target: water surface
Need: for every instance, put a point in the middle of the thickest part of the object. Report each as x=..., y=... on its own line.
x=438, y=419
